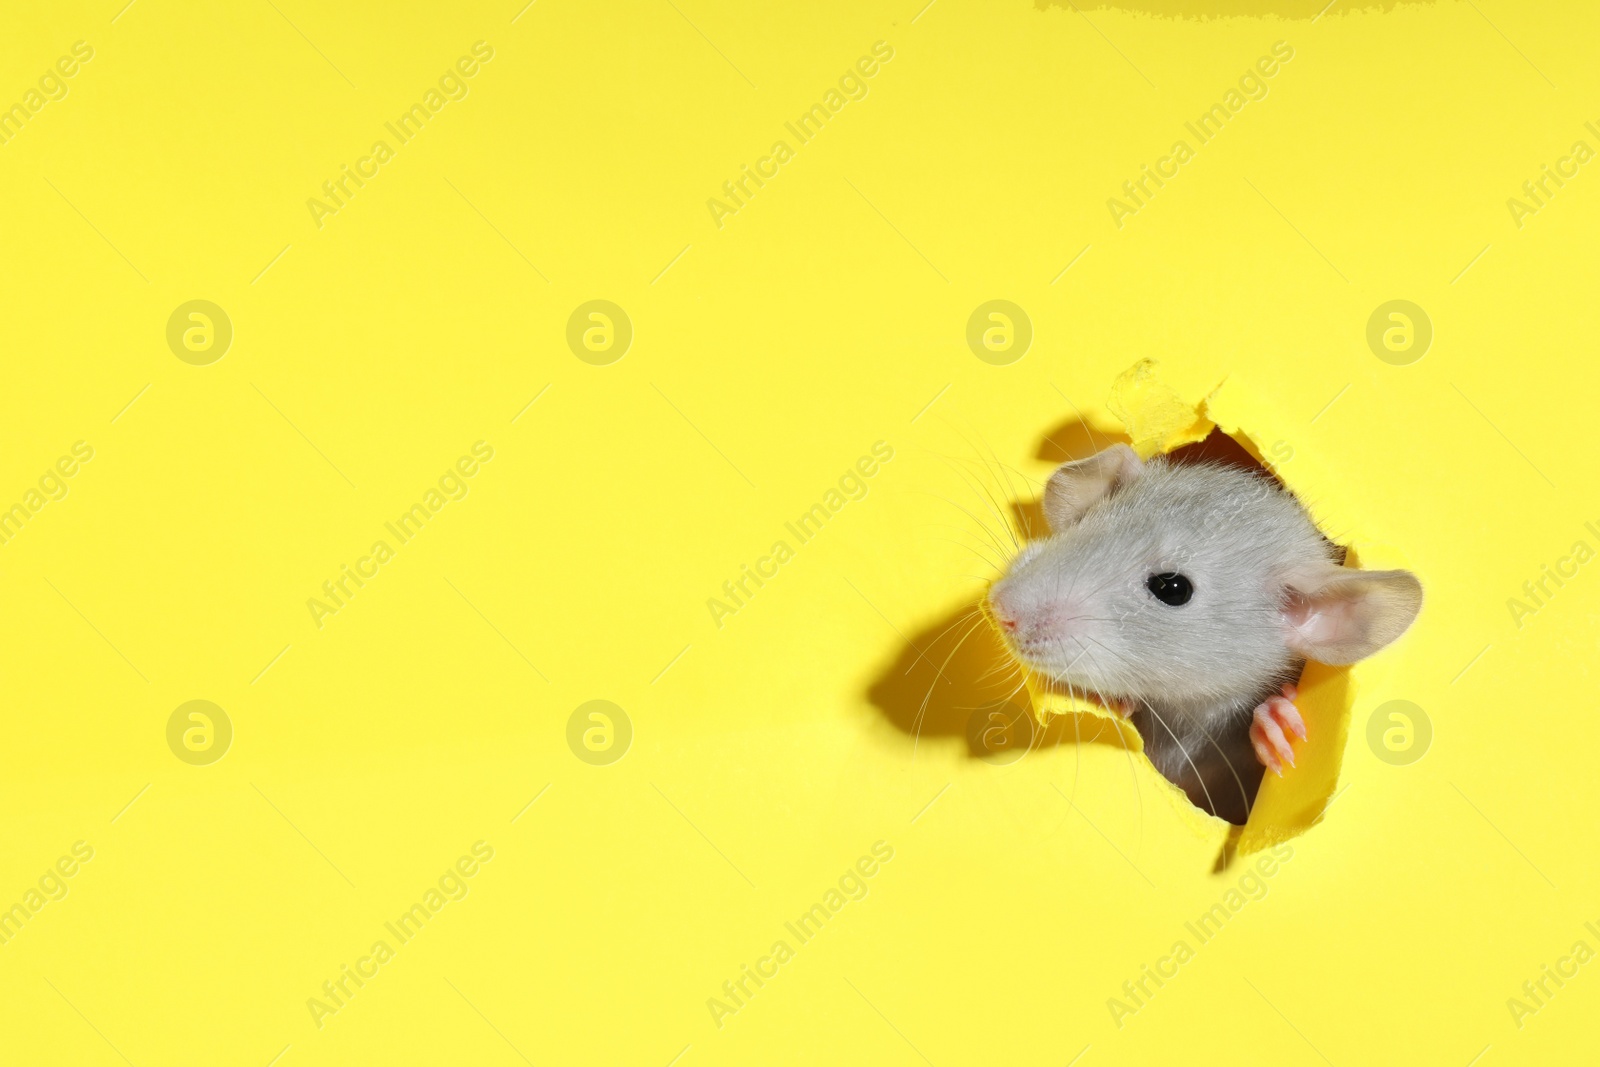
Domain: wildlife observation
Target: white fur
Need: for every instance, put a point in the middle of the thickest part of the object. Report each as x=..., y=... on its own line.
x=1082, y=613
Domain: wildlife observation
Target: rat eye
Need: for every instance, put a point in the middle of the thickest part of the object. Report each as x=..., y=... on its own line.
x=1170, y=588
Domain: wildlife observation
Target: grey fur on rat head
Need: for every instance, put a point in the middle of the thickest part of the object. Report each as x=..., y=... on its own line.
x=1267, y=590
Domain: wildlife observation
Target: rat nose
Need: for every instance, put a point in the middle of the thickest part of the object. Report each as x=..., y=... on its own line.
x=1002, y=617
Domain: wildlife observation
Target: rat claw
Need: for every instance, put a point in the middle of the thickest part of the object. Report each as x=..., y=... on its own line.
x=1268, y=758
x=1290, y=692
x=1267, y=732
x=1288, y=715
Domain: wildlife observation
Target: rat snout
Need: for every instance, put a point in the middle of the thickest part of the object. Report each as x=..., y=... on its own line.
x=1002, y=615
x=1002, y=610
x=1026, y=625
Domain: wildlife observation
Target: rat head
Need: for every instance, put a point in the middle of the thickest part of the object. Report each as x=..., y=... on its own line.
x=1186, y=583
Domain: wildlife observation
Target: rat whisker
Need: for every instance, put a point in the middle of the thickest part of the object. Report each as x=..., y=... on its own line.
x=1000, y=514
x=1021, y=682
x=998, y=669
x=1077, y=753
x=1244, y=794
x=962, y=544
x=1211, y=804
x=916, y=731
x=1121, y=737
x=992, y=500
x=958, y=620
x=1133, y=773
x=983, y=526
x=1005, y=472
x=952, y=526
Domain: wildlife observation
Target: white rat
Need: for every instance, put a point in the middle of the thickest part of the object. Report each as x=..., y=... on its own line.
x=1189, y=596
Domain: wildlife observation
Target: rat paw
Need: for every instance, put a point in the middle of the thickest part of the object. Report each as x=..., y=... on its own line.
x=1267, y=732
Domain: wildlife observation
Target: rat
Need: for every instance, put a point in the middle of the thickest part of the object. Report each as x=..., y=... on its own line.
x=1188, y=596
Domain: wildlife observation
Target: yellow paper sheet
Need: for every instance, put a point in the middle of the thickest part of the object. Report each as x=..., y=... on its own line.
x=458, y=474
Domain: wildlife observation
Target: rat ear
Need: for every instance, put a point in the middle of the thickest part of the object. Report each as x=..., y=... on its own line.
x=1337, y=616
x=1076, y=487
